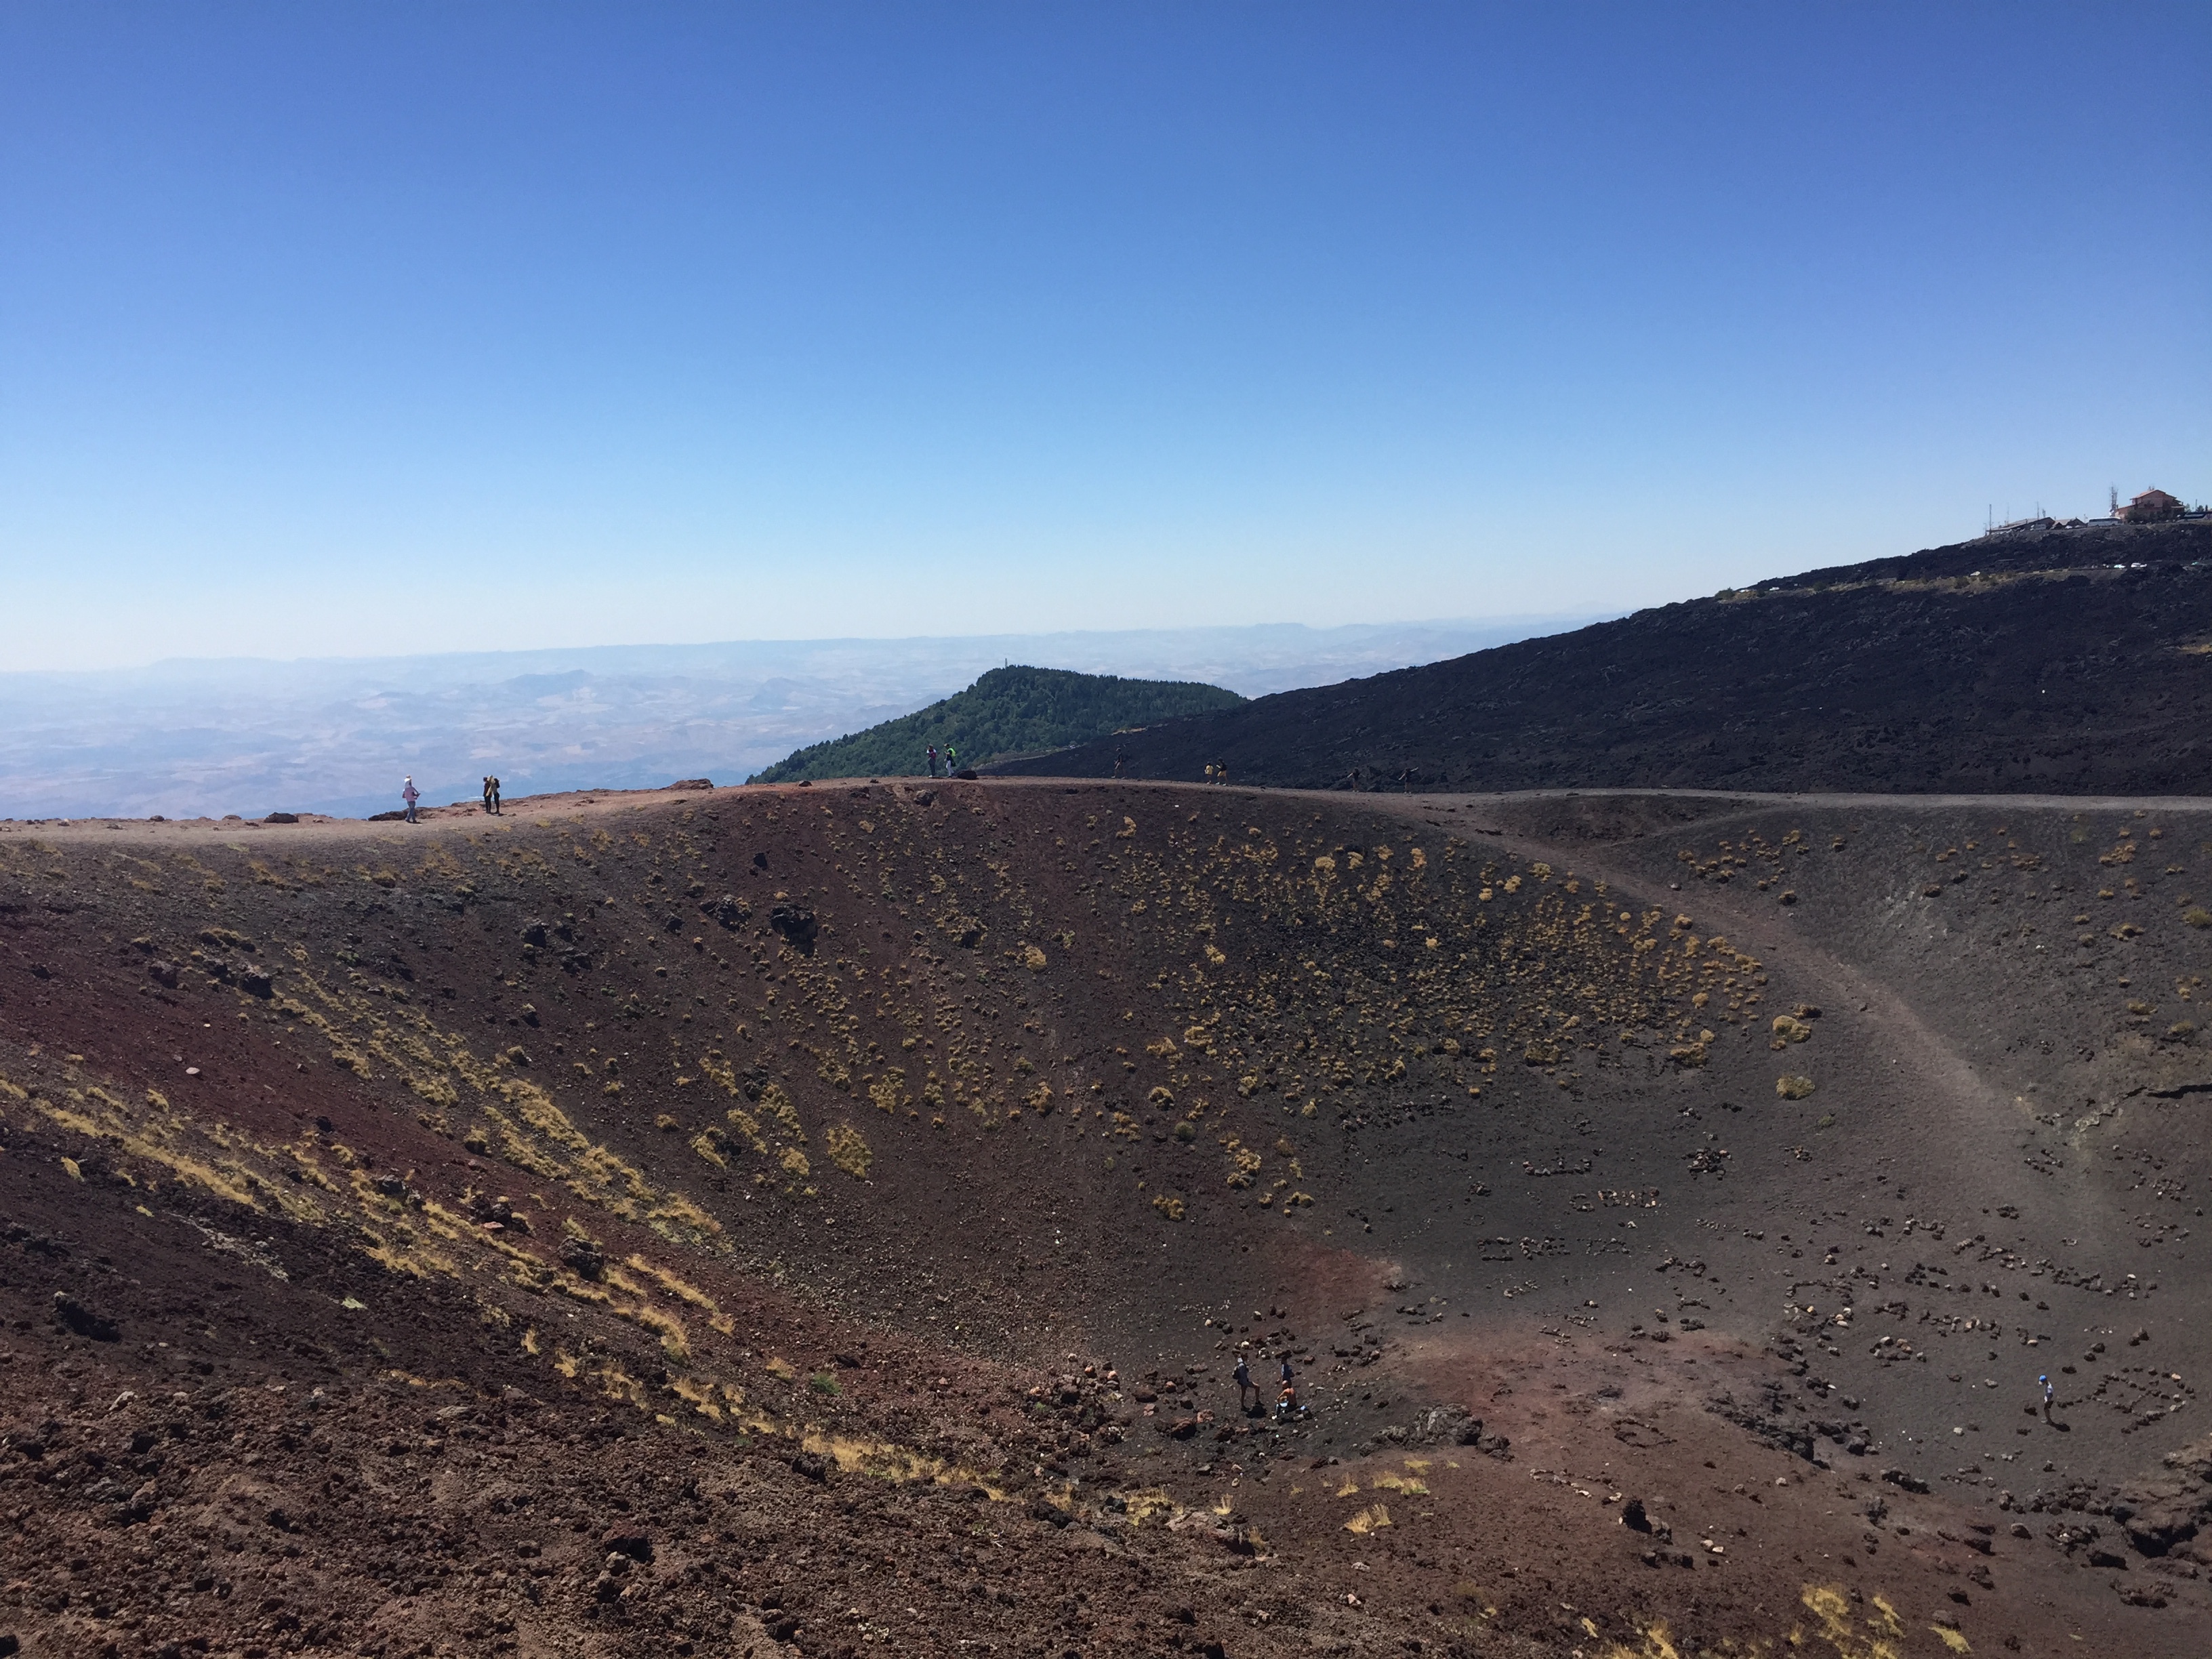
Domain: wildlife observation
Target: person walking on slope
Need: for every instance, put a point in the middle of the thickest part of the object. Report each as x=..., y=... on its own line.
x=1287, y=1406
x=2050, y=1396
x=495, y=797
x=1248, y=1391
x=410, y=795
x=932, y=760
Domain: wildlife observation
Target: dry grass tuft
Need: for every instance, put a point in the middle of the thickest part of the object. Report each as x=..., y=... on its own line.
x=848, y=1150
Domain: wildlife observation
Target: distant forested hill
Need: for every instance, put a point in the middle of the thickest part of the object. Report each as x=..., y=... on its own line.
x=1009, y=711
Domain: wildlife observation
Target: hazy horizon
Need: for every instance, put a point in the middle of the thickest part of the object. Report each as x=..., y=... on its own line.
x=193, y=737
x=360, y=659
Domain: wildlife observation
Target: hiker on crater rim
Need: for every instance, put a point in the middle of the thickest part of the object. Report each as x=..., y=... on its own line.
x=951, y=760
x=495, y=797
x=932, y=760
x=487, y=793
x=410, y=795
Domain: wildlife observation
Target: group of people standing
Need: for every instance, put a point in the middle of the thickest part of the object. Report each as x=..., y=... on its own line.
x=409, y=795
x=950, y=760
x=1248, y=1391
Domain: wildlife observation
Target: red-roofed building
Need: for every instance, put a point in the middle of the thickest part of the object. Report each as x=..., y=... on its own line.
x=2152, y=506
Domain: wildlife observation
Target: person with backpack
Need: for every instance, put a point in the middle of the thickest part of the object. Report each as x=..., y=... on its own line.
x=951, y=760
x=410, y=795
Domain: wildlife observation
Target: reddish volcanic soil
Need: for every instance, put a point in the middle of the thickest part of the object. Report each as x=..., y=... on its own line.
x=822, y=1220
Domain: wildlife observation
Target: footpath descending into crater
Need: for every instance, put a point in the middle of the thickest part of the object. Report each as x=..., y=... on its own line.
x=826, y=1219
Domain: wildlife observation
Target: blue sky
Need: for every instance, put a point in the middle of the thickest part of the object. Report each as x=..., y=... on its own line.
x=348, y=329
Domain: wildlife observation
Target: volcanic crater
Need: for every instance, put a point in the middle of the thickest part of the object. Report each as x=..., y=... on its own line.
x=825, y=1219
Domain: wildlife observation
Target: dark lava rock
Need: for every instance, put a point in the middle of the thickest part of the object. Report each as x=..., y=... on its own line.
x=583, y=1258
x=796, y=922
x=729, y=910
x=73, y=1314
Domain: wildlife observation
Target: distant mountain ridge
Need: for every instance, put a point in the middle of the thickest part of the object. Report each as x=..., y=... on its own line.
x=1013, y=710
x=2067, y=659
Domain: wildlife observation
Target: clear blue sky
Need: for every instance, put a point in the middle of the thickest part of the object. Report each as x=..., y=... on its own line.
x=354, y=328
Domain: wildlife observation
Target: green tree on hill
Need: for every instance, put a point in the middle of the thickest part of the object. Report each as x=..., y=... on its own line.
x=1009, y=711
